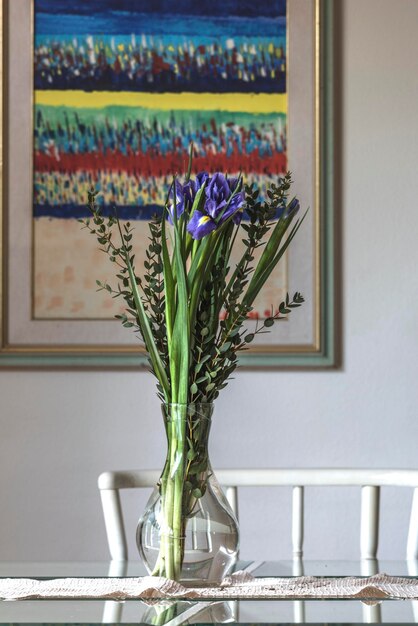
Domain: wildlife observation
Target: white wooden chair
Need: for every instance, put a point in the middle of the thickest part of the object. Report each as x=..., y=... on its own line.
x=369, y=480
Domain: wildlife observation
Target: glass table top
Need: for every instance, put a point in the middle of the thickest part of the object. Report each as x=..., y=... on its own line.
x=296, y=567
x=176, y=613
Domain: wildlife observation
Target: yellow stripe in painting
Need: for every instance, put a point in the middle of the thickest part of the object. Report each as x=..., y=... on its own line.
x=234, y=102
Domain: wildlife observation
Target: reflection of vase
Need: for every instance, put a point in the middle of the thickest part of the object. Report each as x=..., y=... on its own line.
x=207, y=612
x=188, y=531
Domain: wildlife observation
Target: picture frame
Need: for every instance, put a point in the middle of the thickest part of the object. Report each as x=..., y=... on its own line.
x=307, y=341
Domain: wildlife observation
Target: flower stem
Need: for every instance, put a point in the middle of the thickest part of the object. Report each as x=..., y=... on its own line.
x=170, y=558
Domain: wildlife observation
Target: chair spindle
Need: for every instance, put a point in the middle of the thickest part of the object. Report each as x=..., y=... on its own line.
x=369, y=528
x=232, y=497
x=412, y=545
x=114, y=524
x=297, y=520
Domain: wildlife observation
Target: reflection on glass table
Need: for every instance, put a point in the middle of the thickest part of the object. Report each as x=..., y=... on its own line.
x=179, y=612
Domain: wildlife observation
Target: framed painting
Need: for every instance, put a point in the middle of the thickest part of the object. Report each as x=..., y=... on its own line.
x=109, y=94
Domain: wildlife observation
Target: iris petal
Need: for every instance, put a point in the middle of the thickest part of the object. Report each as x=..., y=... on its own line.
x=218, y=187
x=201, y=178
x=293, y=207
x=200, y=225
x=180, y=192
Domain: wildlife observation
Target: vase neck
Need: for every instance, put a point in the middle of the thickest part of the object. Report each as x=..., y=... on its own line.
x=191, y=413
x=187, y=428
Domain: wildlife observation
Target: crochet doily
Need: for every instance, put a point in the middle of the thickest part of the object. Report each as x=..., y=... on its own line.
x=240, y=585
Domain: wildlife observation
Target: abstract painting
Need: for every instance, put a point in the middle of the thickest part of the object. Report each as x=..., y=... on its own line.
x=121, y=89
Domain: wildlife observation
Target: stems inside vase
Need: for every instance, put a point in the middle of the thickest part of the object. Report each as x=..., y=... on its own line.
x=170, y=558
x=182, y=482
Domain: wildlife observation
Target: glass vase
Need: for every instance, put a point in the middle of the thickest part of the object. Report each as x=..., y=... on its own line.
x=188, y=531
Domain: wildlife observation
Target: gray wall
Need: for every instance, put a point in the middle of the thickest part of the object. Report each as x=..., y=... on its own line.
x=60, y=430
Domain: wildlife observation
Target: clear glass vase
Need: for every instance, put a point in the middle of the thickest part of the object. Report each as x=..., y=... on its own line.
x=188, y=531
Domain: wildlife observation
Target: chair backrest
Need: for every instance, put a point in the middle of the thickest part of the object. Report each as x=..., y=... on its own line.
x=369, y=480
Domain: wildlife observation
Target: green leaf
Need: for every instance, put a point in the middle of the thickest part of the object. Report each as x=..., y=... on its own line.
x=269, y=322
x=199, y=200
x=189, y=166
x=272, y=253
x=179, y=348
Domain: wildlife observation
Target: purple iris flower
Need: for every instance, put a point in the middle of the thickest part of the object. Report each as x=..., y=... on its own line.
x=201, y=178
x=220, y=204
x=181, y=193
x=292, y=208
x=185, y=195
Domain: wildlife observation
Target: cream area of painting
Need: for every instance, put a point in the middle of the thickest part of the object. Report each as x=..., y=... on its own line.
x=66, y=289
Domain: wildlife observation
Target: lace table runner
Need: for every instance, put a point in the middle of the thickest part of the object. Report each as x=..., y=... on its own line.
x=240, y=585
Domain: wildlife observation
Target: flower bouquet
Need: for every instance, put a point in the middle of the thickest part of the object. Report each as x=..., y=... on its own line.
x=190, y=305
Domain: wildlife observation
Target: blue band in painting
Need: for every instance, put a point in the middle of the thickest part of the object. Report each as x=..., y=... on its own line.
x=113, y=81
x=67, y=211
x=46, y=24
x=267, y=8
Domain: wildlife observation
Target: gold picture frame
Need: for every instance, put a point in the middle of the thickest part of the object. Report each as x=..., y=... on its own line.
x=23, y=338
